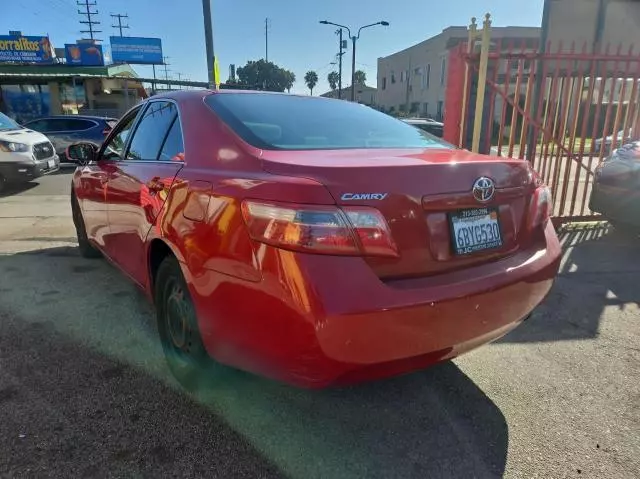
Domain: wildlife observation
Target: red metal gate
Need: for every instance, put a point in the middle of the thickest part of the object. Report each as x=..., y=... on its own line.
x=561, y=108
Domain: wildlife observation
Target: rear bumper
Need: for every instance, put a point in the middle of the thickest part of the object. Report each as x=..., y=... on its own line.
x=340, y=325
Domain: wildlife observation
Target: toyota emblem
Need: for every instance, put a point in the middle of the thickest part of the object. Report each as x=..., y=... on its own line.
x=483, y=189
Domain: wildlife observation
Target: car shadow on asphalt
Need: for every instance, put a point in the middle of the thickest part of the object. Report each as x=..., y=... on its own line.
x=89, y=382
x=12, y=189
x=599, y=270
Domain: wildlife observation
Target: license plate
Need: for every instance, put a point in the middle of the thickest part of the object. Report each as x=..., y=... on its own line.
x=51, y=163
x=475, y=230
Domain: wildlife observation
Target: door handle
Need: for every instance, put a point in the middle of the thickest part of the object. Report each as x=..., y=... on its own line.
x=155, y=185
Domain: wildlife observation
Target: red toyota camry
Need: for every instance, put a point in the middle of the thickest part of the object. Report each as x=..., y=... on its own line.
x=310, y=240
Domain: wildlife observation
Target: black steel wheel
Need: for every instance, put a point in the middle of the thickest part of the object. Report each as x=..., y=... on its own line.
x=178, y=328
x=87, y=250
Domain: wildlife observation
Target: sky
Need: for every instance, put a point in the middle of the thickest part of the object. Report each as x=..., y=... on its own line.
x=297, y=41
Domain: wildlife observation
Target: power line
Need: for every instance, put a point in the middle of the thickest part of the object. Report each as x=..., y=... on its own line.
x=119, y=26
x=88, y=13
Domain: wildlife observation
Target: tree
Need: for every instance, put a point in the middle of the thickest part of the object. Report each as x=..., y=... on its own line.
x=291, y=79
x=333, y=78
x=263, y=75
x=311, y=79
x=360, y=77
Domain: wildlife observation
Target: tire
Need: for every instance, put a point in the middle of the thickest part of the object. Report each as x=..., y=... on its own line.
x=182, y=344
x=86, y=248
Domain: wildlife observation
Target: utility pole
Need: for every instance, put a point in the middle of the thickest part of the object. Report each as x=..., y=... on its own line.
x=179, y=79
x=119, y=26
x=340, y=53
x=88, y=13
x=267, y=24
x=166, y=71
x=208, y=37
x=353, y=68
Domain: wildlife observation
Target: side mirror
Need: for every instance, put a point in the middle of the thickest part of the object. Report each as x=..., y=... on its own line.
x=82, y=153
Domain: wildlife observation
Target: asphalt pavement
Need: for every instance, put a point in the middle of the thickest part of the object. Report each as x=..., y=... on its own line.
x=84, y=391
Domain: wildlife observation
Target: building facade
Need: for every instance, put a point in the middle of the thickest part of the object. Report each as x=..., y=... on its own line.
x=412, y=82
x=614, y=22
x=31, y=91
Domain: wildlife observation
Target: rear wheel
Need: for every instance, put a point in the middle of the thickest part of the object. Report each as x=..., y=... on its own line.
x=86, y=248
x=178, y=328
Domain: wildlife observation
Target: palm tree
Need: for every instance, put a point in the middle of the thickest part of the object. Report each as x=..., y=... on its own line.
x=333, y=78
x=360, y=77
x=290, y=79
x=311, y=79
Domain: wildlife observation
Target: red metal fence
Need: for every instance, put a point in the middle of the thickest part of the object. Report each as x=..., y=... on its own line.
x=554, y=107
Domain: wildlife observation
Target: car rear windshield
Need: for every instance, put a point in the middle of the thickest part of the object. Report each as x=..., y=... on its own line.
x=288, y=122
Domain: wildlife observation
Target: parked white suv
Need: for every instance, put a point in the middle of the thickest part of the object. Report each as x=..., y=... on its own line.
x=24, y=154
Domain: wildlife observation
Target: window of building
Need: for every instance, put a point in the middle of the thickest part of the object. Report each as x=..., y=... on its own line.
x=443, y=67
x=25, y=102
x=393, y=77
x=402, y=76
x=72, y=96
x=428, y=75
x=384, y=83
x=440, y=107
x=425, y=108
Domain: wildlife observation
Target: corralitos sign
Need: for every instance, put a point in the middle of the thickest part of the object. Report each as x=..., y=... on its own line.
x=31, y=49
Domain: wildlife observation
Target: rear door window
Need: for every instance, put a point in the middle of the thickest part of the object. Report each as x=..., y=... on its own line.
x=39, y=125
x=61, y=124
x=75, y=124
x=173, y=148
x=151, y=131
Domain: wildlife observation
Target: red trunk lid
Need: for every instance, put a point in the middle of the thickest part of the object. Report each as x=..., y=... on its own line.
x=417, y=191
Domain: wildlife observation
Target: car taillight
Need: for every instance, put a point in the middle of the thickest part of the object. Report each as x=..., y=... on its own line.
x=540, y=207
x=320, y=229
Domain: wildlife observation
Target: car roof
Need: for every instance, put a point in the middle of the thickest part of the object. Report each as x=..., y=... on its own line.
x=184, y=94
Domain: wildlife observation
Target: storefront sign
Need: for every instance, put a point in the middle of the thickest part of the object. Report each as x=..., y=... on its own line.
x=18, y=48
x=136, y=50
x=84, y=54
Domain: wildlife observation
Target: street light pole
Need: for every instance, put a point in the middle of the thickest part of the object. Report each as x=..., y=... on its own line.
x=353, y=68
x=208, y=39
x=340, y=66
x=354, y=39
